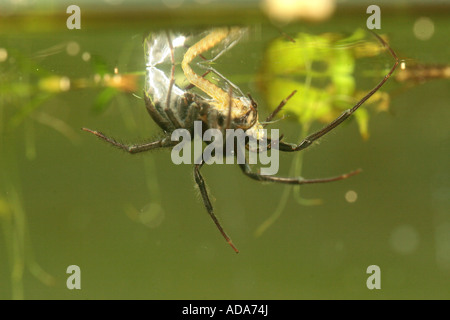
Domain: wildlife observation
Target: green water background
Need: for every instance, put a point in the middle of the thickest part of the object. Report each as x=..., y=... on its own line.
x=75, y=195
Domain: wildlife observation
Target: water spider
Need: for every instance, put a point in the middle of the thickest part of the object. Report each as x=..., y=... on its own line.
x=172, y=107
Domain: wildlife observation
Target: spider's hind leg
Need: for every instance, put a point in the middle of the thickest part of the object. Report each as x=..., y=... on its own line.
x=245, y=167
x=201, y=185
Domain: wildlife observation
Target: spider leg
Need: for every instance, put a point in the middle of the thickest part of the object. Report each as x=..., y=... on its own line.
x=201, y=184
x=161, y=120
x=280, y=106
x=230, y=108
x=192, y=115
x=290, y=147
x=135, y=148
x=167, y=109
x=172, y=78
x=245, y=167
x=172, y=117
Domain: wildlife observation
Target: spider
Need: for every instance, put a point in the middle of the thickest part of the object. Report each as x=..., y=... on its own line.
x=173, y=108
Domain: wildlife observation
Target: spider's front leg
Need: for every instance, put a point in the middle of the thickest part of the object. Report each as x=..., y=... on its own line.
x=135, y=148
x=201, y=185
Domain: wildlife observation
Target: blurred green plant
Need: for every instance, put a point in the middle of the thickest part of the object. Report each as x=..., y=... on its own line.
x=26, y=89
x=322, y=68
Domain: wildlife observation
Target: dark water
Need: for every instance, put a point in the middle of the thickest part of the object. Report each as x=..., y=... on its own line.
x=136, y=226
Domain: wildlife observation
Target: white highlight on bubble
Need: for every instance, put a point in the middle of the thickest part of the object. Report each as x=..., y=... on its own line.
x=178, y=41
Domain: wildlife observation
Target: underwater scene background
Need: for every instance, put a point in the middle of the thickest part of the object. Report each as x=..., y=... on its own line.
x=135, y=225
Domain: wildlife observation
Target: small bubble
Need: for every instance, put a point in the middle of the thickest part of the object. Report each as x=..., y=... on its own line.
x=403, y=65
x=404, y=239
x=423, y=28
x=86, y=56
x=73, y=48
x=97, y=78
x=3, y=54
x=64, y=84
x=351, y=196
